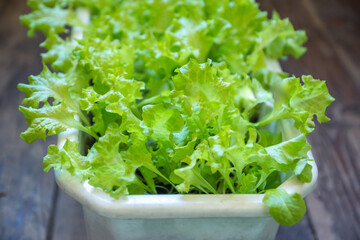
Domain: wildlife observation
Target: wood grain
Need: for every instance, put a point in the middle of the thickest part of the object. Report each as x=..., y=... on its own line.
x=334, y=206
x=342, y=24
x=68, y=210
x=27, y=191
x=300, y=231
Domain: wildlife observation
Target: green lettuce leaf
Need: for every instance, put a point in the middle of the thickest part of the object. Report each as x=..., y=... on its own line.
x=68, y=158
x=46, y=19
x=60, y=55
x=286, y=209
x=48, y=121
x=44, y=86
x=300, y=102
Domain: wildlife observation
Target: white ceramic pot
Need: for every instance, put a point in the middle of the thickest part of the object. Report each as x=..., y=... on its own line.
x=185, y=217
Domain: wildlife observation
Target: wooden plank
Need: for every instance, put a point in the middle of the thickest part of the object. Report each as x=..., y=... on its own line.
x=27, y=192
x=300, y=231
x=333, y=207
x=69, y=221
x=321, y=60
x=341, y=21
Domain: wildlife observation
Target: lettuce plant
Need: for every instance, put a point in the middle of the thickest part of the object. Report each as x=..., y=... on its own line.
x=173, y=97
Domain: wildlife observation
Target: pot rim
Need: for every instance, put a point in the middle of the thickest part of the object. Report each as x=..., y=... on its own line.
x=162, y=206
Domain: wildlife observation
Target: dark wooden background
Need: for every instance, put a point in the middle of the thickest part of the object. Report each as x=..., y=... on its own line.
x=32, y=206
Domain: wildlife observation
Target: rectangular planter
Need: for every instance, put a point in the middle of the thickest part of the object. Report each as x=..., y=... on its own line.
x=160, y=217
x=259, y=228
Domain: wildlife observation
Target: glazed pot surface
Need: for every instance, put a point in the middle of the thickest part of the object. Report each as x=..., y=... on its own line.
x=257, y=228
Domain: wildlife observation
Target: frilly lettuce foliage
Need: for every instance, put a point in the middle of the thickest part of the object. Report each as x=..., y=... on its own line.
x=174, y=97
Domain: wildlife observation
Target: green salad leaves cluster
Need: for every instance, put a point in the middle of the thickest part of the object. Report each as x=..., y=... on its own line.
x=173, y=96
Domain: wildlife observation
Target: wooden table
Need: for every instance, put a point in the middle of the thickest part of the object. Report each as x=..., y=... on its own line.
x=32, y=206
